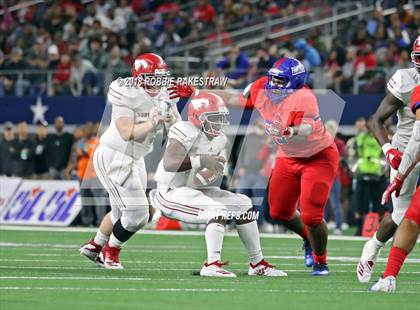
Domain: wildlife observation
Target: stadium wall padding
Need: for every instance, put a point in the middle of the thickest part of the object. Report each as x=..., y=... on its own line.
x=78, y=110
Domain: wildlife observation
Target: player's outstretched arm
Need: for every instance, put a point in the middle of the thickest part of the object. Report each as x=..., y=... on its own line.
x=409, y=160
x=386, y=109
x=389, y=105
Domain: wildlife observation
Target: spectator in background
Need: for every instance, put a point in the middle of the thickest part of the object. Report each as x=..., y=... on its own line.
x=374, y=23
x=204, y=12
x=265, y=59
x=220, y=35
x=7, y=150
x=91, y=191
x=235, y=65
x=334, y=201
x=40, y=160
x=352, y=162
x=370, y=177
x=252, y=182
x=168, y=40
x=53, y=57
x=116, y=67
x=16, y=83
x=95, y=53
x=25, y=152
x=84, y=79
x=311, y=55
x=61, y=81
x=343, y=79
x=58, y=150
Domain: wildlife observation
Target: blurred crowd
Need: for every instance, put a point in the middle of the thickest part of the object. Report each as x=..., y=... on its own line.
x=85, y=44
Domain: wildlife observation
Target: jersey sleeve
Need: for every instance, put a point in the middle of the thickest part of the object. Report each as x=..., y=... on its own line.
x=415, y=100
x=395, y=85
x=245, y=98
x=183, y=132
x=121, y=105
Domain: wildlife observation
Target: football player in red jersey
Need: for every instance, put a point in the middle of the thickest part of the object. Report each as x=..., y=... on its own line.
x=407, y=233
x=307, y=158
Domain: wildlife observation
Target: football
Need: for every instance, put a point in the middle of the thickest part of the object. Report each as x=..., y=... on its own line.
x=205, y=177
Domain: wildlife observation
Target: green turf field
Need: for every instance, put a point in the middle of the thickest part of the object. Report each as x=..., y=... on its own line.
x=43, y=270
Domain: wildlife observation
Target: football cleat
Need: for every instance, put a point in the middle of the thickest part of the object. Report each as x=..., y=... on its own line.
x=111, y=257
x=309, y=259
x=92, y=250
x=388, y=284
x=320, y=270
x=367, y=262
x=215, y=269
x=264, y=268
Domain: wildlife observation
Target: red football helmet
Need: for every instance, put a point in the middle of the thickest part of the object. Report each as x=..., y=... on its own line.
x=208, y=111
x=415, y=53
x=147, y=66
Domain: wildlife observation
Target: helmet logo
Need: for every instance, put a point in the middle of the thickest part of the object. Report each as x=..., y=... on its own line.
x=199, y=102
x=140, y=63
x=298, y=69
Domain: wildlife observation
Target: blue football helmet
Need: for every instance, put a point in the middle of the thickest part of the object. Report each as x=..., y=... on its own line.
x=285, y=76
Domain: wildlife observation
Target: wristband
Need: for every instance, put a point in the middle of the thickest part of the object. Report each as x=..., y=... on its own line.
x=195, y=162
x=386, y=147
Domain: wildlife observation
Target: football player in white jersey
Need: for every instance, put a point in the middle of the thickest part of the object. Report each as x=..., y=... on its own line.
x=188, y=190
x=139, y=110
x=400, y=87
x=407, y=233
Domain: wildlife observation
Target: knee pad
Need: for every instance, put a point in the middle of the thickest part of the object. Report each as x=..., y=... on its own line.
x=319, y=193
x=279, y=216
x=312, y=219
x=133, y=220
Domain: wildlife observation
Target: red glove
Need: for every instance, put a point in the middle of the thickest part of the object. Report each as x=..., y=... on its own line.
x=393, y=156
x=180, y=91
x=395, y=186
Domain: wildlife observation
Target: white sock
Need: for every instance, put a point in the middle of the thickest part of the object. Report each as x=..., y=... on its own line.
x=114, y=242
x=378, y=244
x=214, y=240
x=250, y=237
x=100, y=238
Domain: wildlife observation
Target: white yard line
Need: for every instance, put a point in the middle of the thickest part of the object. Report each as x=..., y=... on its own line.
x=165, y=232
x=81, y=268
x=198, y=290
x=139, y=262
x=130, y=279
x=352, y=259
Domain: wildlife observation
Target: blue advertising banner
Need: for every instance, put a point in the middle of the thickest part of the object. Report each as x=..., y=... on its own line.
x=78, y=110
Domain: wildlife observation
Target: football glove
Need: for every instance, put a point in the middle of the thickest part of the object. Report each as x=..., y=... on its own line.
x=392, y=155
x=395, y=186
x=180, y=91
